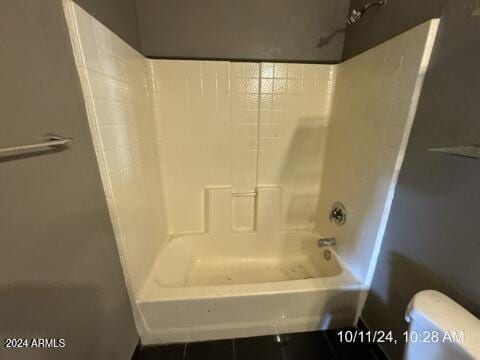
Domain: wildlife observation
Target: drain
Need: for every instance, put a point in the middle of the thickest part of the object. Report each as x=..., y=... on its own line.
x=327, y=254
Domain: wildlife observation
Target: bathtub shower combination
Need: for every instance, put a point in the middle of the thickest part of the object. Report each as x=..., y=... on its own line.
x=220, y=178
x=229, y=284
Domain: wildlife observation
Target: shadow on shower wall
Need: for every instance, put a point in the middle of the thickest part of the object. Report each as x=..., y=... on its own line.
x=301, y=170
x=326, y=40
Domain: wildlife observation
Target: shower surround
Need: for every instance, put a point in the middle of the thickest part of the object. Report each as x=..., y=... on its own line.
x=219, y=177
x=240, y=125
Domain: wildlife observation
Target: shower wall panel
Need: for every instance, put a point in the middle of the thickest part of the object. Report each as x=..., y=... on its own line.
x=241, y=125
x=375, y=104
x=114, y=82
x=295, y=104
x=206, y=119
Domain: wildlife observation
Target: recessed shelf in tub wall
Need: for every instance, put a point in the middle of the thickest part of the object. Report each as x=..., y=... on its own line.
x=472, y=151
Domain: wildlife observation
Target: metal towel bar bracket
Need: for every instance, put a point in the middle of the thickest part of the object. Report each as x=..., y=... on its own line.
x=51, y=140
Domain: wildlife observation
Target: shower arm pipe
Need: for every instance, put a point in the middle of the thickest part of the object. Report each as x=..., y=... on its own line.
x=373, y=3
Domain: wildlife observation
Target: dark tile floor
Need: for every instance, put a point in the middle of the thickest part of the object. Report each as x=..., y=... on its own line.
x=316, y=345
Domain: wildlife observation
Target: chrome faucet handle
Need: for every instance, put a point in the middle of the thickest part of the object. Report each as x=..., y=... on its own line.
x=338, y=213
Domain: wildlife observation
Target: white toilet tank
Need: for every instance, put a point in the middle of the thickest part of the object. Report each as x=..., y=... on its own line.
x=440, y=329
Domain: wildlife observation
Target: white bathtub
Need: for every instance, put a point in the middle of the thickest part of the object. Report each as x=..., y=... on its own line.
x=205, y=287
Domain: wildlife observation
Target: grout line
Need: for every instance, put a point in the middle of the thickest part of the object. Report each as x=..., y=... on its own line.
x=184, y=351
x=259, y=98
x=324, y=333
x=372, y=352
x=284, y=355
x=234, y=352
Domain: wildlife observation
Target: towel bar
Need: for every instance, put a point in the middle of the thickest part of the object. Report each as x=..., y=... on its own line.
x=470, y=151
x=51, y=141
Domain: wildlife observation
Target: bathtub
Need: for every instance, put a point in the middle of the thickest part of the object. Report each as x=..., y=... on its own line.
x=205, y=287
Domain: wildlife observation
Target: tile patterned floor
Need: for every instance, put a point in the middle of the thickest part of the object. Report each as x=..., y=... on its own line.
x=317, y=345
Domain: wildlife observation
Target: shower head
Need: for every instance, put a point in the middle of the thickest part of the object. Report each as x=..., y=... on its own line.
x=356, y=14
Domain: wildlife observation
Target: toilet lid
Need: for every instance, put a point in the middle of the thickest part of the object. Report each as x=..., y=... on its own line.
x=430, y=309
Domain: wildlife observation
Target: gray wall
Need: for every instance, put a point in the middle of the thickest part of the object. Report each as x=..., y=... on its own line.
x=397, y=16
x=60, y=274
x=120, y=16
x=378, y=26
x=433, y=234
x=276, y=30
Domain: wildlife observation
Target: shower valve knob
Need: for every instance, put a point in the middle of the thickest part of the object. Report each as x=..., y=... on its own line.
x=338, y=213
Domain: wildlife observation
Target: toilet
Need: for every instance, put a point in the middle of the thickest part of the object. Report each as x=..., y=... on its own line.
x=440, y=329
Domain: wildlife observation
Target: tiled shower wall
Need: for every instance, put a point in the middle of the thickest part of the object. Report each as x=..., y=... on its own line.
x=375, y=103
x=241, y=125
x=206, y=116
x=295, y=105
x=114, y=82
